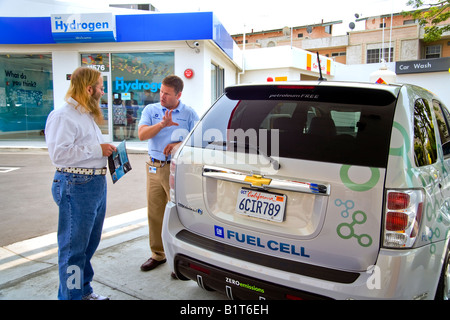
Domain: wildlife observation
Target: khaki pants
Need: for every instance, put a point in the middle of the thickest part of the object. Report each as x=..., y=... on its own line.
x=157, y=197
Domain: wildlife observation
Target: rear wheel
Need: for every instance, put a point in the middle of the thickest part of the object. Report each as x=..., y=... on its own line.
x=443, y=290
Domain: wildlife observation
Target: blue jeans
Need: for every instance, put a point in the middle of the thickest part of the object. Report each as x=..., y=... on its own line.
x=82, y=207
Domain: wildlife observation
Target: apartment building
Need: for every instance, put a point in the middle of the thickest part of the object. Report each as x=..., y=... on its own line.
x=303, y=37
x=392, y=37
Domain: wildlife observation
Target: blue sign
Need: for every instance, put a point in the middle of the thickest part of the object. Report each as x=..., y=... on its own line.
x=124, y=28
x=76, y=28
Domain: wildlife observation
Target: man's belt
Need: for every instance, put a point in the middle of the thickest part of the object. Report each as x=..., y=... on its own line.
x=88, y=172
x=159, y=161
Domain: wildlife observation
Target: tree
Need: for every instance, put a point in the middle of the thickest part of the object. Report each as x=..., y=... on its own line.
x=431, y=16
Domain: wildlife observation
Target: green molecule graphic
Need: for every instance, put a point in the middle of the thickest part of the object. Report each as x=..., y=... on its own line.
x=346, y=230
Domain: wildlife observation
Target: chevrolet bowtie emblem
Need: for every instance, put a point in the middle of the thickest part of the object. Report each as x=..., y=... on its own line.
x=257, y=180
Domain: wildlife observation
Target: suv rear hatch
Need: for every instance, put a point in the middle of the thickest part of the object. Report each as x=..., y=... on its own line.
x=290, y=171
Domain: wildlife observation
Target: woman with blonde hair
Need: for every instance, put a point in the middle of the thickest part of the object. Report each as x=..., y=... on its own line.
x=76, y=148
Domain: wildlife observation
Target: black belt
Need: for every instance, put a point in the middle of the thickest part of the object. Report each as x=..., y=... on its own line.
x=159, y=161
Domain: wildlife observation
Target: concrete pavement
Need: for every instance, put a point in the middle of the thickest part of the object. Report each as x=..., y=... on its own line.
x=27, y=207
x=28, y=247
x=29, y=270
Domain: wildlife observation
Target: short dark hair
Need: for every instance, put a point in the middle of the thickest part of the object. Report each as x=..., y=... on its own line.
x=174, y=82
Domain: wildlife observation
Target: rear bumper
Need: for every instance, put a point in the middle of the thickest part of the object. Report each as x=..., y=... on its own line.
x=234, y=285
x=409, y=274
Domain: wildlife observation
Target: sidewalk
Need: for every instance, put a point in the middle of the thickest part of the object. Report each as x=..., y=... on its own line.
x=29, y=270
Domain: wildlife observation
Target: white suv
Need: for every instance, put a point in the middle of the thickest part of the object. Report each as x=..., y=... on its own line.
x=314, y=190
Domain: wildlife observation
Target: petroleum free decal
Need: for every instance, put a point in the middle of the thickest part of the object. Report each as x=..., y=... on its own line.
x=256, y=241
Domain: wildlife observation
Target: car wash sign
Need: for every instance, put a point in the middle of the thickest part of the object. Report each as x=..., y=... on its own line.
x=421, y=66
x=90, y=27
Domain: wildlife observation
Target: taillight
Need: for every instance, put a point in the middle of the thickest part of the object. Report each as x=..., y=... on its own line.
x=173, y=167
x=397, y=200
x=396, y=221
x=403, y=213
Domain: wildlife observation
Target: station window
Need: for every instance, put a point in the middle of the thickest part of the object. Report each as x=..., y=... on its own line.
x=136, y=80
x=26, y=95
x=217, y=82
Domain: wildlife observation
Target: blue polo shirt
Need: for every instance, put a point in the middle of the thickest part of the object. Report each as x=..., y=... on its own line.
x=152, y=114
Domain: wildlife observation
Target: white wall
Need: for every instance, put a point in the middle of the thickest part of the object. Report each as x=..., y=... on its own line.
x=259, y=76
x=281, y=61
x=436, y=82
x=63, y=63
x=215, y=55
x=195, y=89
x=197, y=92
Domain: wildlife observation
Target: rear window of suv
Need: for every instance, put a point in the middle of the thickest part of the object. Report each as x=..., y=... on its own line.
x=321, y=123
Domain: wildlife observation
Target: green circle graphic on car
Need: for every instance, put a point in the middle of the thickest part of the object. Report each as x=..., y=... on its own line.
x=360, y=187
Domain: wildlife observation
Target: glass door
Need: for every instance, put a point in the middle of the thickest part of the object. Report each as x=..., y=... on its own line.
x=101, y=62
x=105, y=105
x=131, y=81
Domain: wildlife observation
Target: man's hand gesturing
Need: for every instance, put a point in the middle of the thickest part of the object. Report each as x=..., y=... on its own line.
x=167, y=119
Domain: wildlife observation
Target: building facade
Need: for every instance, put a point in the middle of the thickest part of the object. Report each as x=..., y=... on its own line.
x=133, y=52
x=393, y=38
x=306, y=37
x=136, y=51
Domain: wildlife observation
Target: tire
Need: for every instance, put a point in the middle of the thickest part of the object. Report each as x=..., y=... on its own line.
x=443, y=289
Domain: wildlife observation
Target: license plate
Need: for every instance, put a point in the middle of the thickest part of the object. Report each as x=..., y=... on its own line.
x=263, y=205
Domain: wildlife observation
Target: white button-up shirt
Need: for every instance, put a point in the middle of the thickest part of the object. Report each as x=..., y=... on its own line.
x=73, y=138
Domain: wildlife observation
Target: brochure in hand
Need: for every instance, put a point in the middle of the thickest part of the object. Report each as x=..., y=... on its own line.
x=118, y=162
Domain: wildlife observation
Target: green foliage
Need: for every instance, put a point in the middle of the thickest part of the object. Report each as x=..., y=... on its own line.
x=430, y=15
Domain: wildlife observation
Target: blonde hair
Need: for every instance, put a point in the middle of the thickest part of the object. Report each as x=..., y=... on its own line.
x=81, y=78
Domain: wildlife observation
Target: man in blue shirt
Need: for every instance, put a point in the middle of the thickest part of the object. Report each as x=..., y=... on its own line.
x=164, y=125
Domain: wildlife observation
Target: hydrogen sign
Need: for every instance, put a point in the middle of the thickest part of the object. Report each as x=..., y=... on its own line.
x=90, y=27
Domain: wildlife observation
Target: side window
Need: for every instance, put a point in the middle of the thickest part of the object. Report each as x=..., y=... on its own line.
x=443, y=118
x=424, y=137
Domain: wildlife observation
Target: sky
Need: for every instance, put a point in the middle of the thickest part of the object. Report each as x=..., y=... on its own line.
x=239, y=16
